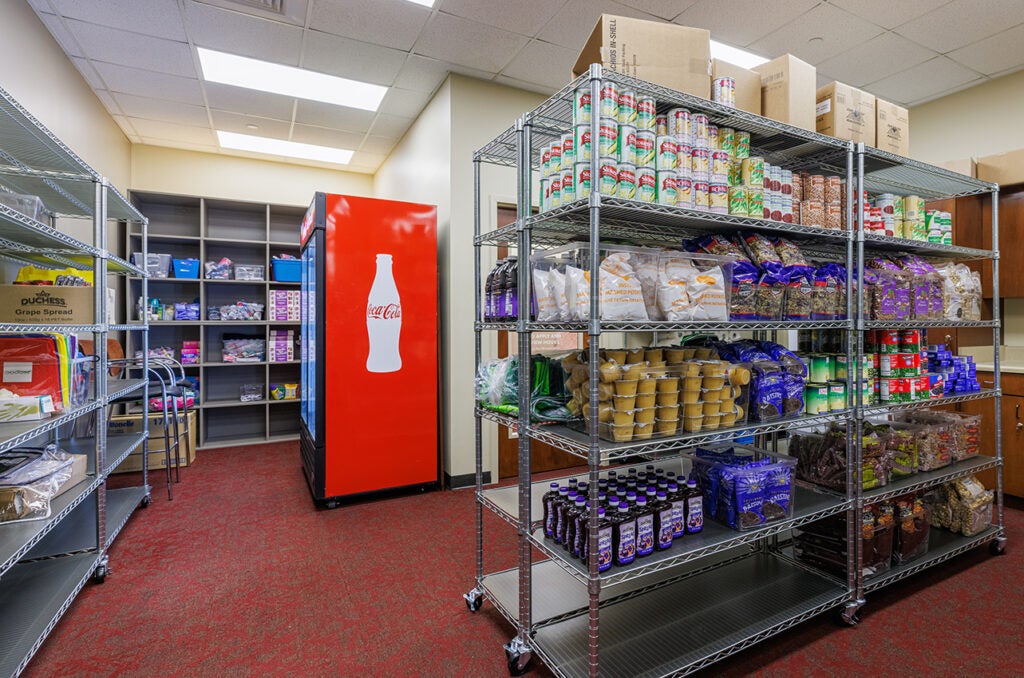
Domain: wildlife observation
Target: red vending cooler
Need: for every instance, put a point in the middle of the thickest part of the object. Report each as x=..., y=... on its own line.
x=369, y=347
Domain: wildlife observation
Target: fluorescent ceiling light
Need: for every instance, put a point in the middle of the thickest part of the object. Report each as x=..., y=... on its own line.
x=735, y=55
x=425, y=3
x=264, y=76
x=291, y=149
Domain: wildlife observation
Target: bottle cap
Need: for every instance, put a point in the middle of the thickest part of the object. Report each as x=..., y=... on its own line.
x=623, y=506
x=662, y=494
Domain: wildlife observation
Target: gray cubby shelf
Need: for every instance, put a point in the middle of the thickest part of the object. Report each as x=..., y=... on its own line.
x=247, y=233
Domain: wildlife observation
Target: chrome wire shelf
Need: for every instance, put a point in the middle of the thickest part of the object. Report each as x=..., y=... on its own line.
x=921, y=324
x=928, y=479
x=942, y=545
x=884, y=408
x=888, y=173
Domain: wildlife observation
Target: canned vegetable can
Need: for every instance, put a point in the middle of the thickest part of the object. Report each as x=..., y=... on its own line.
x=627, y=144
x=609, y=105
x=718, y=197
x=753, y=171
x=646, y=142
x=742, y=145
x=581, y=142
x=755, y=201
x=581, y=105
x=738, y=201
x=667, y=147
x=568, y=150
x=816, y=398
x=581, y=180
x=836, y=396
x=555, y=184
x=568, y=193
x=646, y=184
x=607, y=182
x=627, y=107
x=627, y=182
x=667, y=186
x=608, y=138
x=647, y=112
x=723, y=91
x=684, y=192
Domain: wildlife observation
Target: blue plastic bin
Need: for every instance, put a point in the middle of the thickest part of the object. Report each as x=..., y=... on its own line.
x=186, y=268
x=286, y=270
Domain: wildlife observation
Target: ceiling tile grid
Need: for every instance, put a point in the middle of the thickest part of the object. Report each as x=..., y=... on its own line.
x=139, y=55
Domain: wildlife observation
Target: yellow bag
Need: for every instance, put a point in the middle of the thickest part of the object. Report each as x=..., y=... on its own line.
x=34, y=274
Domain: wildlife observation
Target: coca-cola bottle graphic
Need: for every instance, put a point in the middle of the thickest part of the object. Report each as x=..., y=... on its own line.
x=383, y=320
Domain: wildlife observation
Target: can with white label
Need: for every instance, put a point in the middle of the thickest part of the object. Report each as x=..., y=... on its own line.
x=608, y=138
x=723, y=91
x=568, y=151
x=646, y=184
x=609, y=104
x=581, y=142
x=646, y=142
x=555, y=192
x=568, y=193
x=713, y=137
x=719, y=164
x=684, y=192
x=700, y=164
x=667, y=186
x=699, y=125
x=646, y=113
x=718, y=197
x=684, y=160
x=627, y=182
x=555, y=164
x=661, y=124
x=581, y=105
x=627, y=107
x=545, y=162
x=581, y=180
x=608, y=180
x=700, y=195
x=627, y=144
x=665, y=158
x=679, y=123
x=545, y=193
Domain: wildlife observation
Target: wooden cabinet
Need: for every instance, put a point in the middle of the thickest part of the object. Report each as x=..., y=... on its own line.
x=972, y=227
x=1012, y=424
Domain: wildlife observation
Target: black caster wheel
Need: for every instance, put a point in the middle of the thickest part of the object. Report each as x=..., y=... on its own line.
x=473, y=602
x=518, y=664
x=100, y=575
x=848, y=617
x=997, y=547
x=146, y=501
x=331, y=505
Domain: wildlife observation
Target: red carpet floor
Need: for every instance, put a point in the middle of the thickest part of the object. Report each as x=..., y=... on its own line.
x=240, y=576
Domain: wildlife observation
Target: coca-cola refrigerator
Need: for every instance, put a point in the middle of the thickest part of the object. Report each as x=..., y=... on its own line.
x=369, y=347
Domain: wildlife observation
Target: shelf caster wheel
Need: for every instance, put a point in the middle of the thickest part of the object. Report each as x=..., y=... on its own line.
x=331, y=505
x=474, y=599
x=850, y=615
x=99, y=575
x=517, y=656
x=997, y=547
x=146, y=501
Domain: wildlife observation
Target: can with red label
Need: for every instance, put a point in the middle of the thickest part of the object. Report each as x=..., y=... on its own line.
x=684, y=192
x=718, y=197
x=924, y=387
x=679, y=123
x=555, y=163
x=684, y=160
x=608, y=179
x=581, y=179
x=608, y=138
x=581, y=105
x=908, y=364
x=646, y=142
x=661, y=124
x=888, y=341
x=627, y=144
x=568, y=186
x=646, y=113
x=627, y=113
x=581, y=142
x=545, y=162
x=627, y=182
x=699, y=130
x=712, y=137
x=889, y=389
x=667, y=188
x=568, y=151
x=910, y=341
x=701, y=195
x=609, y=104
x=554, y=191
x=646, y=184
x=723, y=91
x=719, y=163
x=665, y=157
x=700, y=164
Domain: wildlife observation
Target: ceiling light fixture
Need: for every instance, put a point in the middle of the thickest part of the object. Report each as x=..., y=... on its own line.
x=425, y=3
x=735, y=55
x=290, y=149
x=264, y=76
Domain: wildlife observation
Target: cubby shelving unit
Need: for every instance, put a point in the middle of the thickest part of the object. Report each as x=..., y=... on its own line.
x=45, y=563
x=247, y=233
x=721, y=591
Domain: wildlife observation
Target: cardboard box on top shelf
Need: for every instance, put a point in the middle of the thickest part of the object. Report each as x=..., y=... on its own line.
x=1002, y=168
x=677, y=57
x=47, y=304
x=787, y=91
x=748, y=84
x=846, y=112
x=892, y=128
x=968, y=166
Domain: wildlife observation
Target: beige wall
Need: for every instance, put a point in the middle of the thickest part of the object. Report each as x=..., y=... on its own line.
x=37, y=73
x=979, y=121
x=169, y=170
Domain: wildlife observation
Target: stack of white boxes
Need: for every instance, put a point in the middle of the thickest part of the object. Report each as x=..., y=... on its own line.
x=284, y=305
x=282, y=346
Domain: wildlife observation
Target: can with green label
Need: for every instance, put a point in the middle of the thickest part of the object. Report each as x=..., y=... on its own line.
x=742, y=145
x=738, y=201
x=836, y=396
x=755, y=201
x=816, y=398
x=608, y=178
x=608, y=138
x=818, y=369
x=646, y=184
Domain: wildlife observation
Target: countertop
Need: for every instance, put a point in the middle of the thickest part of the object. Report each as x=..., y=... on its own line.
x=1011, y=358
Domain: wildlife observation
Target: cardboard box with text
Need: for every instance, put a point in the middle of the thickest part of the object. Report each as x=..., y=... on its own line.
x=47, y=304
x=748, y=84
x=892, y=128
x=846, y=112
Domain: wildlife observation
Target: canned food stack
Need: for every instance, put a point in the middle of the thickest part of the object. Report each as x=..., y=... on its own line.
x=818, y=200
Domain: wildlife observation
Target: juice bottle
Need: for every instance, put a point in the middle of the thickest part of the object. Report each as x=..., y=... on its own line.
x=678, y=500
x=512, y=289
x=644, y=527
x=573, y=484
x=489, y=288
x=623, y=535
x=572, y=517
x=694, y=507
x=549, y=513
x=562, y=509
x=613, y=504
x=580, y=533
x=662, y=521
x=605, y=542
x=496, y=303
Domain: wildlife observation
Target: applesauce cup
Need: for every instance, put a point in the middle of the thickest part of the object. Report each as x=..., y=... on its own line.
x=712, y=422
x=668, y=413
x=621, y=433
x=647, y=385
x=674, y=356
x=711, y=407
x=645, y=399
x=622, y=418
x=644, y=416
x=668, y=384
x=654, y=355
x=618, y=355
x=666, y=427
x=668, y=398
x=643, y=431
x=624, y=403
x=692, y=424
x=625, y=387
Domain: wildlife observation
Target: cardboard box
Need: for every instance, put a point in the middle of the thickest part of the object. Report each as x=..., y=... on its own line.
x=748, y=84
x=966, y=166
x=47, y=304
x=132, y=423
x=787, y=91
x=846, y=112
x=892, y=128
x=677, y=57
x=1002, y=168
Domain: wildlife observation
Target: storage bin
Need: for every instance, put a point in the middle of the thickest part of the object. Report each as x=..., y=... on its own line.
x=286, y=270
x=157, y=265
x=249, y=272
x=186, y=268
x=29, y=205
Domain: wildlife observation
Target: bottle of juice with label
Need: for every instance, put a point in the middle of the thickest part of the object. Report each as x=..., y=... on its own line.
x=694, y=507
x=644, y=527
x=572, y=524
x=605, y=542
x=549, y=514
x=580, y=534
x=563, y=509
x=662, y=521
x=623, y=535
x=678, y=501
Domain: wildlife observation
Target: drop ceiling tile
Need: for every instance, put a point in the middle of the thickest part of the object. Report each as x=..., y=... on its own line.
x=242, y=34
x=237, y=122
x=922, y=81
x=108, y=101
x=151, y=129
x=89, y=73
x=962, y=22
x=126, y=126
x=574, y=22
x=886, y=13
x=822, y=78
x=162, y=109
x=352, y=59
x=721, y=18
x=823, y=32
x=468, y=43
x=404, y=102
x=522, y=16
x=63, y=36
x=524, y=85
x=422, y=74
x=156, y=18
x=110, y=45
x=997, y=54
x=380, y=145
x=367, y=159
x=333, y=117
x=663, y=9
x=875, y=59
x=390, y=125
x=332, y=138
x=543, y=63
x=391, y=23
x=150, y=84
x=244, y=100
x=292, y=11
x=953, y=90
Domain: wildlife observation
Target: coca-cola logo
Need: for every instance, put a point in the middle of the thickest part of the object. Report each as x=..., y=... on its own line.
x=383, y=311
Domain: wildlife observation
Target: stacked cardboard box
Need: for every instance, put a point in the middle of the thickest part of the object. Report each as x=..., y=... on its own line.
x=282, y=346
x=284, y=306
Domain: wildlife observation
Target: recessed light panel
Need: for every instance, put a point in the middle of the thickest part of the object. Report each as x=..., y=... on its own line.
x=264, y=76
x=290, y=149
x=735, y=55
